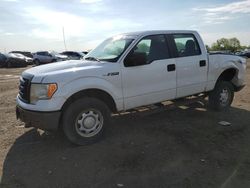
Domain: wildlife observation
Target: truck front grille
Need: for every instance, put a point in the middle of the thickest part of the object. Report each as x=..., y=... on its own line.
x=24, y=89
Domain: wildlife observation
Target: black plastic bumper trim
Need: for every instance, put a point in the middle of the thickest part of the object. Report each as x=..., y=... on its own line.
x=36, y=119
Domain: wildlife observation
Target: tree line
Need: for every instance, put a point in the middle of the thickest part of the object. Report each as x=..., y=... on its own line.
x=224, y=44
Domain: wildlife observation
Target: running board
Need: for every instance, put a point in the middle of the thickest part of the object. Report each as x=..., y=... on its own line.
x=164, y=106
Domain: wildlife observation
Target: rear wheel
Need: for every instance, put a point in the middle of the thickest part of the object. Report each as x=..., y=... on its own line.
x=84, y=120
x=222, y=96
x=36, y=62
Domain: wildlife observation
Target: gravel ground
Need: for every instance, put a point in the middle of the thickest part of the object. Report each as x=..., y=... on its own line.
x=182, y=147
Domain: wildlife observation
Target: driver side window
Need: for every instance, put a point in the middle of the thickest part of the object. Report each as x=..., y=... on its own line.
x=143, y=46
x=149, y=49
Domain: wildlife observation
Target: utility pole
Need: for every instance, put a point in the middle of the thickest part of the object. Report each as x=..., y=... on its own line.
x=65, y=47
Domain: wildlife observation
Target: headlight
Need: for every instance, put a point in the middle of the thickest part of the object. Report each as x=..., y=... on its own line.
x=41, y=92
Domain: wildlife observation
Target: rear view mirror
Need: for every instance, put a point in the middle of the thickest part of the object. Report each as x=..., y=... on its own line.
x=135, y=59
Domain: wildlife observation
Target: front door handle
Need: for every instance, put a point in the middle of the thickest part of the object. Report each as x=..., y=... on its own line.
x=203, y=63
x=171, y=67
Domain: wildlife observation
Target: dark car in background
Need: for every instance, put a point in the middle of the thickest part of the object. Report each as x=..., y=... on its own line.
x=29, y=60
x=3, y=60
x=11, y=60
x=44, y=57
x=85, y=52
x=25, y=53
x=74, y=55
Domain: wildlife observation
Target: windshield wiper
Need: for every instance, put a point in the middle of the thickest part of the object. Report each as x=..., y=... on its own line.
x=92, y=59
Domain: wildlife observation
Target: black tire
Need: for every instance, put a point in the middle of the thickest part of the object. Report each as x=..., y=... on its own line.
x=217, y=99
x=36, y=62
x=85, y=108
x=2, y=64
x=9, y=65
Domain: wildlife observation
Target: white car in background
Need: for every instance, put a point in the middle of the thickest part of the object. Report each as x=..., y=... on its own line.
x=44, y=57
x=72, y=55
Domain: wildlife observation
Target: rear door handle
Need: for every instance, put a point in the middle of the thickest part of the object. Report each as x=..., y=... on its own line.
x=203, y=63
x=171, y=67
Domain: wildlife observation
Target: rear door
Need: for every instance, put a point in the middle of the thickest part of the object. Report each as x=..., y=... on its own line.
x=191, y=64
x=42, y=56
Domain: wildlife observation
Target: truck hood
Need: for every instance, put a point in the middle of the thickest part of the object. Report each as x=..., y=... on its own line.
x=62, y=67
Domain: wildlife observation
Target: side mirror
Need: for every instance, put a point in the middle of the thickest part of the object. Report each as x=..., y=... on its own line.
x=135, y=59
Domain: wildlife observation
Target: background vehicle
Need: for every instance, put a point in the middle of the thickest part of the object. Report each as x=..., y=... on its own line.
x=226, y=52
x=3, y=59
x=244, y=54
x=122, y=73
x=44, y=57
x=73, y=55
x=25, y=58
x=11, y=60
x=85, y=52
x=25, y=53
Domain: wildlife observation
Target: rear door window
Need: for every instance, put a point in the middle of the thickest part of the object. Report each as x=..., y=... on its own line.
x=186, y=45
x=43, y=53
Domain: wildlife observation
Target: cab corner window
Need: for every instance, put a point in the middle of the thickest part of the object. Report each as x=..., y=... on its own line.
x=149, y=49
x=186, y=45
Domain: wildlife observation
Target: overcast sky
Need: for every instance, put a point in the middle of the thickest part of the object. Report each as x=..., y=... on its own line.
x=37, y=25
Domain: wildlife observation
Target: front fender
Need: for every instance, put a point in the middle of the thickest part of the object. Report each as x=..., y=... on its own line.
x=90, y=83
x=80, y=84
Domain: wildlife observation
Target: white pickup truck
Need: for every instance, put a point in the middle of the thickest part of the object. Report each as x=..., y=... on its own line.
x=124, y=72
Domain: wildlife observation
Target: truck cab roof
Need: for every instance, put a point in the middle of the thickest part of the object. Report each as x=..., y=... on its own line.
x=155, y=32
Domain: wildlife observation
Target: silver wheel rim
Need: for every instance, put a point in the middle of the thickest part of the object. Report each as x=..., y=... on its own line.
x=224, y=97
x=89, y=123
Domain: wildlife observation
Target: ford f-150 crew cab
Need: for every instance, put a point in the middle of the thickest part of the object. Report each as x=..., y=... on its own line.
x=124, y=72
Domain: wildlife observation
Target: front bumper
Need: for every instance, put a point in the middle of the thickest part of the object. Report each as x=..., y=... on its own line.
x=41, y=120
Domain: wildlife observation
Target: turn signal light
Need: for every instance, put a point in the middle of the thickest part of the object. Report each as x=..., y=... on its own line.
x=51, y=90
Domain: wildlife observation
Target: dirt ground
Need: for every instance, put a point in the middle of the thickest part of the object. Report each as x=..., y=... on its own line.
x=182, y=147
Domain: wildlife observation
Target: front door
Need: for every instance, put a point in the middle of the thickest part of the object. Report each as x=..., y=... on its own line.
x=148, y=73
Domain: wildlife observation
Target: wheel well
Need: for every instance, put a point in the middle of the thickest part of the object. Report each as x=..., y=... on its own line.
x=96, y=93
x=227, y=75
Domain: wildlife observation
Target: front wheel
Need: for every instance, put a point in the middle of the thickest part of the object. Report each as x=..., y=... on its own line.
x=84, y=120
x=36, y=62
x=222, y=96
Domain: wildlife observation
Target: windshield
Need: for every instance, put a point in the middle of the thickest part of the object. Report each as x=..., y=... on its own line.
x=18, y=55
x=110, y=50
x=12, y=55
